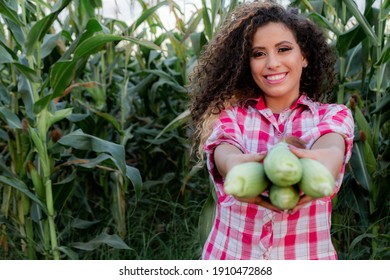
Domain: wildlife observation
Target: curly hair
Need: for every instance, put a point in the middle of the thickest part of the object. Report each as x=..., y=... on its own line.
x=223, y=77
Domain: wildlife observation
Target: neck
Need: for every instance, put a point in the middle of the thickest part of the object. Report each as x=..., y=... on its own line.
x=277, y=104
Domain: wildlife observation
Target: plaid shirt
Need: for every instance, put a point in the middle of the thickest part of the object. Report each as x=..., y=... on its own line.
x=248, y=231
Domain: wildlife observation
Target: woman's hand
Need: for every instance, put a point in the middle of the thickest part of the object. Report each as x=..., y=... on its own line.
x=303, y=200
x=265, y=202
x=329, y=149
x=261, y=201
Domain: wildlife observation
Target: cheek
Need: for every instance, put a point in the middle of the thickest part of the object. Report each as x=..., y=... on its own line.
x=255, y=67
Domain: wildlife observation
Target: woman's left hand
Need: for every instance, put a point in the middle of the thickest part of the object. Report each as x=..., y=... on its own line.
x=302, y=202
x=328, y=149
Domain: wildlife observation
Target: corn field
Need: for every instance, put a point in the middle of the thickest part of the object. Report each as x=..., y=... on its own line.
x=95, y=156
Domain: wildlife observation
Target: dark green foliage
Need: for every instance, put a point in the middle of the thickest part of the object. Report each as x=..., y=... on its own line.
x=94, y=150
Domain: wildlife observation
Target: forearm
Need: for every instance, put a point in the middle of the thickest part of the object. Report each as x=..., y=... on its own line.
x=226, y=156
x=331, y=149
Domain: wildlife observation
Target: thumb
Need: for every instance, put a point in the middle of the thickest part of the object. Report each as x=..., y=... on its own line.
x=254, y=157
x=302, y=153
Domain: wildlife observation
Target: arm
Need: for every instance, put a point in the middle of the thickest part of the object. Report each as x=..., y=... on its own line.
x=226, y=156
x=329, y=149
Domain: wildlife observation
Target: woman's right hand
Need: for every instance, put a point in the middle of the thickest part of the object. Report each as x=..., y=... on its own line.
x=260, y=200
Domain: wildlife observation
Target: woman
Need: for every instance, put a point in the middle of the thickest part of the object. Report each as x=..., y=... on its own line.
x=265, y=77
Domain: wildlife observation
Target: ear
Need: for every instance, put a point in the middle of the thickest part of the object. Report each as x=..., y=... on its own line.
x=304, y=62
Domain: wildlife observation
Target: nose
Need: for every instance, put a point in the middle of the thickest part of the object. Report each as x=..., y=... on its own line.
x=272, y=61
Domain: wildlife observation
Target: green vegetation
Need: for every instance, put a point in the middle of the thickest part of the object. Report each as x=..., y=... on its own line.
x=94, y=152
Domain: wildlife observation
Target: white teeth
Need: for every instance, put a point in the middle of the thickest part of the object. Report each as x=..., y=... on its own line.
x=276, y=77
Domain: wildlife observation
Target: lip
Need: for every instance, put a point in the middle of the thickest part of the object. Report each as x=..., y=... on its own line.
x=275, y=78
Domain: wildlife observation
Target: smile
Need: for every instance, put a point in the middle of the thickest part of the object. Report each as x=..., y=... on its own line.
x=276, y=77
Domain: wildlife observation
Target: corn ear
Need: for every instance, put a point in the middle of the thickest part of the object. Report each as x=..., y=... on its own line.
x=59, y=115
x=43, y=123
x=37, y=180
x=42, y=152
x=281, y=166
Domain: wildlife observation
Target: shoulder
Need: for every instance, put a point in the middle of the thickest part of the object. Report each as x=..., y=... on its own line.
x=324, y=109
x=335, y=109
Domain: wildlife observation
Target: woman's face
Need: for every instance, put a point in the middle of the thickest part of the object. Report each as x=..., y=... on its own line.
x=276, y=62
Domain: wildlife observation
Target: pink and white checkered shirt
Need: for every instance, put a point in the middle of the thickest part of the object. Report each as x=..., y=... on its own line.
x=247, y=231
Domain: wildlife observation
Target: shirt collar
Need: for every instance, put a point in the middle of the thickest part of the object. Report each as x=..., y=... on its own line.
x=303, y=99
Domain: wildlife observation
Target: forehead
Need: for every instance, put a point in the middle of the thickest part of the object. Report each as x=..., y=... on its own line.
x=273, y=31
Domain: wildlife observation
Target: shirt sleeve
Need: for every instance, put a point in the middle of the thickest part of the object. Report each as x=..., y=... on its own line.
x=337, y=119
x=225, y=130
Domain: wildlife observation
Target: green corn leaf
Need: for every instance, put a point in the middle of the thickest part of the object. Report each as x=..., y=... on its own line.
x=72, y=255
x=206, y=218
x=349, y=39
x=95, y=43
x=61, y=76
x=27, y=72
x=324, y=22
x=215, y=8
x=49, y=43
x=21, y=186
x=10, y=118
x=111, y=119
x=41, y=27
x=26, y=92
x=113, y=241
x=208, y=29
x=41, y=150
x=177, y=122
x=385, y=55
x=363, y=125
x=59, y=115
x=359, y=166
x=383, y=106
x=83, y=224
x=134, y=176
x=5, y=56
x=63, y=71
x=36, y=140
x=42, y=104
x=369, y=158
x=198, y=40
x=10, y=13
x=178, y=47
x=385, y=117
x=358, y=204
x=145, y=16
x=353, y=8
x=80, y=140
x=89, y=163
x=17, y=33
x=359, y=238
x=132, y=173
x=193, y=23
x=91, y=28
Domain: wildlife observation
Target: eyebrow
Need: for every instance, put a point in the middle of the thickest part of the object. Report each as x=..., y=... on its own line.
x=276, y=45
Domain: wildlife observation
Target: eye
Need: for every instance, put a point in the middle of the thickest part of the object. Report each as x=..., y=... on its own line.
x=256, y=54
x=284, y=49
